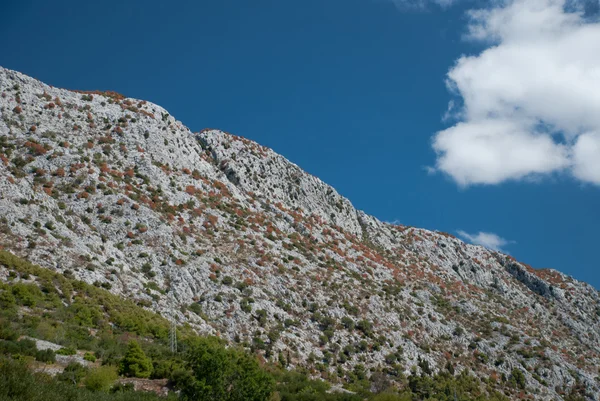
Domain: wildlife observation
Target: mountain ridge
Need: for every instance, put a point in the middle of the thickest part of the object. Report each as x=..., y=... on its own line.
x=115, y=191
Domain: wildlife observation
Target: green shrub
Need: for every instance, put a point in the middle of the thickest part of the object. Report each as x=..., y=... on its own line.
x=27, y=347
x=23, y=347
x=392, y=397
x=218, y=373
x=100, y=379
x=66, y=351
x=135, y=363
x=196, y=308
x=8, y=333
x=7, y=299
x=348, y=323
x=18, y=383
x=517, y=378
x=26, y=294
x=46, y=355
x=365, y=326
x=73, y=373
x=122, y=388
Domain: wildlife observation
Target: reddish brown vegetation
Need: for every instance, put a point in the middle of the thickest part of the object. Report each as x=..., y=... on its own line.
x=35, y=148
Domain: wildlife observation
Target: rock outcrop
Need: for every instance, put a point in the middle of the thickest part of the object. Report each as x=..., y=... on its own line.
x=237, y=241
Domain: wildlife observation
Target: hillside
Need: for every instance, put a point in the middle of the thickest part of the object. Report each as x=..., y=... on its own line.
x=63, y=339
x=237, y=241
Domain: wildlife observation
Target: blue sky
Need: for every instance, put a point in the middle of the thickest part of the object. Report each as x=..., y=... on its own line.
x=355, y=92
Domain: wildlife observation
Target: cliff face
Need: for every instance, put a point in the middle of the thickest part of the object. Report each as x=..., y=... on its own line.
x=116, y=192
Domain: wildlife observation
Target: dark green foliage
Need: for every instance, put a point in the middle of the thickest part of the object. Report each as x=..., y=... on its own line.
x=261, y=316
x=165, y=368
x=348, y=323
x=245, y=306
x=295, y=386
x=66, y=351
x=7, y=332
x=446, y=387
x=46, y=355
x=517, y=378
x=392, y=397
x=424, y=365
x=7, y=299
x=122, y=388
x=100, y=379
x=26, y=294
x=125, y=315
x=84, y=314
x=365, y=326
x=23, y=347
x=135, y=363
x=217, y=373
x=196, y=308
x=17, y=383
x=73, y=373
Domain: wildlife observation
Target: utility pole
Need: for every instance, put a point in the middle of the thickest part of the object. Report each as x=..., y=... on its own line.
x=173, y=336
x=173, y=327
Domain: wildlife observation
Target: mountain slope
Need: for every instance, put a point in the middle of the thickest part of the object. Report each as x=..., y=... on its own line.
x=114, y=191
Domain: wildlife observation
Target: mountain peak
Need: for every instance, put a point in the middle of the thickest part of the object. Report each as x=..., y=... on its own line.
x=116, y=192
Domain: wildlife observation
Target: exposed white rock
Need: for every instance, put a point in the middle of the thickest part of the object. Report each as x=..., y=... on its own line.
x=116, y=192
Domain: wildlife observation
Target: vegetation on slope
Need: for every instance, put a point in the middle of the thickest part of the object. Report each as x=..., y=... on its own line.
x=120, y=337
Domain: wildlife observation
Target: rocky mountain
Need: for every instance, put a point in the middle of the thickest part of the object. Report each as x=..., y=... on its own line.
x=230, y=237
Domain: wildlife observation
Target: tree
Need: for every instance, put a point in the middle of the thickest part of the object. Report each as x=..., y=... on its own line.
x=517, y=378
x=135, y=363
x=7, y=300
x=366, y=327
x=222, y=374
x=73, y=373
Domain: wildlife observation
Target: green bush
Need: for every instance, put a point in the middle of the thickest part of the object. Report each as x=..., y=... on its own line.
x=100, y=379
x=517, y=378
x=135, y=363
x=73, y=373
x=46, y=355
x=196, y=308
x=7, y=299
x=294, y=386
x=392, y=397
x=365, y=326
x=218, y=373
x=7, y=332
x=122, y=388
x=23, y=347
x=18, y=383
x=26, y=294
x=66, y=351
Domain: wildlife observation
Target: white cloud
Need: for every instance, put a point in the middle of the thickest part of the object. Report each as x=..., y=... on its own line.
x=529, y=101
x=586, y=158
x=488, y=240
x=494, y=150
